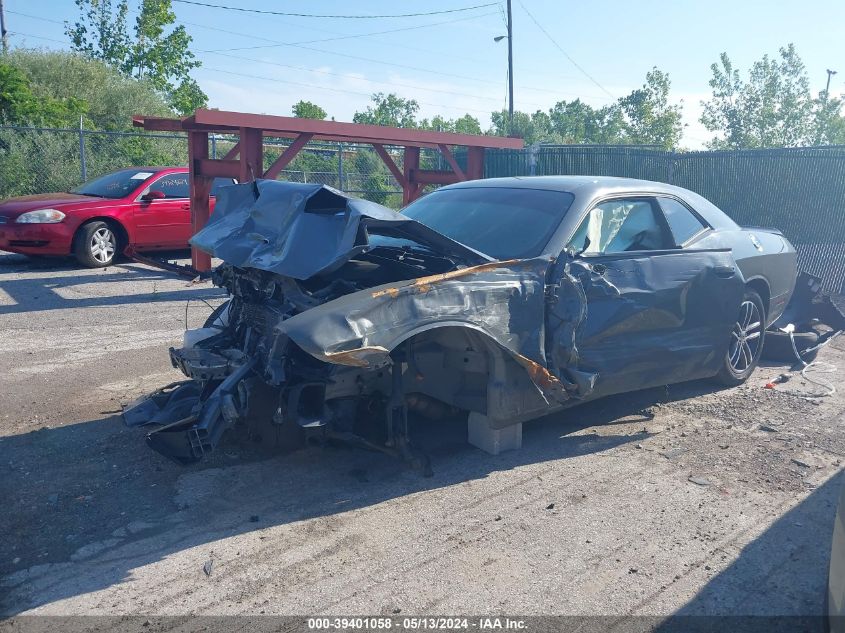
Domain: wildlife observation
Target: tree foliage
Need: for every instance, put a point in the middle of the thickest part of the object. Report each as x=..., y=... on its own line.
x=21, y=105
x=645, y=116
x=772, y=108
x=308, y=110
x=152, y=50
x=105, y=97
x=649, y=117
x=389, y=109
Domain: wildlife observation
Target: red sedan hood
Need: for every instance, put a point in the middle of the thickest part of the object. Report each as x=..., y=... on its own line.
x=13, y=207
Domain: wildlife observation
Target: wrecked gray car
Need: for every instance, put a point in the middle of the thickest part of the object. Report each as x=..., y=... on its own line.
x=505, y=298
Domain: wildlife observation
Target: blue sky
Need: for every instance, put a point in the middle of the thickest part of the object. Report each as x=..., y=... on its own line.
x=450, y=64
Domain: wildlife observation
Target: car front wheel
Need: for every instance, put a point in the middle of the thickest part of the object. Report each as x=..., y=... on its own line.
x=746, y=343
x=95, y=245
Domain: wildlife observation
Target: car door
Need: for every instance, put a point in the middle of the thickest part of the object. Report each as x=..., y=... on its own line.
x=634, y=307
x=164, y=222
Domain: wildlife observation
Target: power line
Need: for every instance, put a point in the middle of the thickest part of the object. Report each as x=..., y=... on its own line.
x=558, y=46
x=35, y=17
x=320, y=15
x=345, y=55
x=341, y=90
x=347, y=37
x=375, y=81
x=37, y=37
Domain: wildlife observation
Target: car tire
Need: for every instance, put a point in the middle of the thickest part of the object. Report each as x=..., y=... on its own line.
x=778, y=346
x=746, y=345
x=96, y=244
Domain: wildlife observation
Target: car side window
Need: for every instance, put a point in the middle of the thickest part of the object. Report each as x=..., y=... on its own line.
x=622, y=225
x=172, y=186
x=683, y=223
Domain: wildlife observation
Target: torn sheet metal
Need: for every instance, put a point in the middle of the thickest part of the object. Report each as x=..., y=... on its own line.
x=504, y=300
x=302, y=230
x=631, y=321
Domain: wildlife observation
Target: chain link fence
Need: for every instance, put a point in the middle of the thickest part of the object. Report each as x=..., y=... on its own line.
x=39, y=160
x=799, y=191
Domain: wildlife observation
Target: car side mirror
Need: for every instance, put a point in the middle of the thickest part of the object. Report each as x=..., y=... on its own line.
x=153, y=195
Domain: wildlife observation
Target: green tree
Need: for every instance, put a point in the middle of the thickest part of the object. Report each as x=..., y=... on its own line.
x=828, y=121
x=152, y=51
x=106, y=97
x=534, y=128
x=20, y=105
x=577, y=122
x=466, y=124
x=389, y=109
x=649, y=117
x=308, y=110
x=772, y=108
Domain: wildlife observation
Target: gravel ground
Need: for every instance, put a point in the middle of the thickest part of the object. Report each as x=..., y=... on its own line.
x=681, y=500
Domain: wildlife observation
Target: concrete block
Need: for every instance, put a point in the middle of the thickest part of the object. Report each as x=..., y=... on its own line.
x=490, y=440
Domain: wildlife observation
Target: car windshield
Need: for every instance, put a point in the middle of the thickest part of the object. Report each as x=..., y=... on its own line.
x=115, y=185
x=505, y=223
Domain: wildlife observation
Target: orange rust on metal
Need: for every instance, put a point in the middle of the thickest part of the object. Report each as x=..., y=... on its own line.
x=423, y=284
x=539, y=375
x=355, y=357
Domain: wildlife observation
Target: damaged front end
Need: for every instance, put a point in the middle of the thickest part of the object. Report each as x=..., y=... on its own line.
x=343, y=316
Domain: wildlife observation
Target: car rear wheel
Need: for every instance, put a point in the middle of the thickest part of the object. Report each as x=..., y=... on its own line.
x=95, y=245
x=746, y=342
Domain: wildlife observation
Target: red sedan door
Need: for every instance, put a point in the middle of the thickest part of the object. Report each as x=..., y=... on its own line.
x=164, y=222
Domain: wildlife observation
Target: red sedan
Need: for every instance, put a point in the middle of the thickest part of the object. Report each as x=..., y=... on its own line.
x=146, y=207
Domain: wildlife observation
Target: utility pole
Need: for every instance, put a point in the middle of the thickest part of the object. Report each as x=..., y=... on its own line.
x=510, y=68
x=3, y=35
x=830, y=73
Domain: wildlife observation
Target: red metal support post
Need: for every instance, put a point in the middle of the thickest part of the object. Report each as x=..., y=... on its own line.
x=411, y=190
x=200, y=190
x=252, y=155
x=475, y=163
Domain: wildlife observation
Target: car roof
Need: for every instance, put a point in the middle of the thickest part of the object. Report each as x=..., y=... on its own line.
x=587, y=188
x=573, y=184
x=152, y=169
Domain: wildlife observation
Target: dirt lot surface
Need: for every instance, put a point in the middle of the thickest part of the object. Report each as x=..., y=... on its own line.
x=687, y=499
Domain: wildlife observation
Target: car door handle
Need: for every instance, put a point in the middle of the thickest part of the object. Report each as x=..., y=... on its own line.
x=186, y=206
x=725, y=272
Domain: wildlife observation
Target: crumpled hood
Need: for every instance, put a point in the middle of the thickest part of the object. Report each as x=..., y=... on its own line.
x=302, y=230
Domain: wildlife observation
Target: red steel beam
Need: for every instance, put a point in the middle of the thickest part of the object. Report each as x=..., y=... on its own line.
x=411, y=164
x=252, y=155
x=219, y=120
x=287, y=156
x=219, y=168
x=391, y=165
x=200, y=190
x=233, y=152
x=475, y=163
x=349, y=131
x=434, y=177
x=447, y=154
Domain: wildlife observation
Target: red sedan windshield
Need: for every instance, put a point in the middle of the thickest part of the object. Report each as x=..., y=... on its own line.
x=116, y=185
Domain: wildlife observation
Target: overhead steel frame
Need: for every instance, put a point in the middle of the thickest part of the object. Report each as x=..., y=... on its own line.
x=245, y=161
